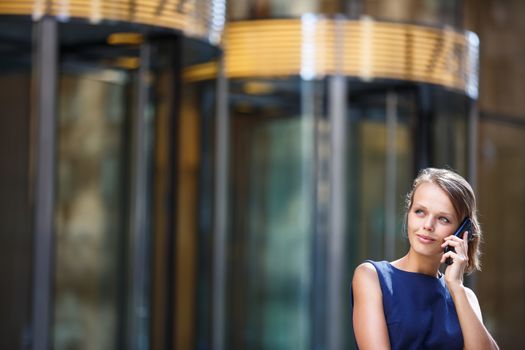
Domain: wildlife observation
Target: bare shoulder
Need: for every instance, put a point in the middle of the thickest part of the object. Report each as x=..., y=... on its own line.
x=365, y=275
x=365, y=270
x=370, y=328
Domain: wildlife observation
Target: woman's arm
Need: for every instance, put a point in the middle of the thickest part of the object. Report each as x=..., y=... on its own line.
x=368, y=317
x=475, y=335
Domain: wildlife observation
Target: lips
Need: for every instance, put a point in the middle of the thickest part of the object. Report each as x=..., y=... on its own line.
x=425, y=239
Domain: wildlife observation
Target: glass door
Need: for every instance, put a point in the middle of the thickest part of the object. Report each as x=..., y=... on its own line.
x=272, y=216
x=108, y=182
x=135, y=182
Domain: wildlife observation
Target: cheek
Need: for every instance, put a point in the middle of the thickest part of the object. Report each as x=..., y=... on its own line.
x=445, y=231
x=412, y=221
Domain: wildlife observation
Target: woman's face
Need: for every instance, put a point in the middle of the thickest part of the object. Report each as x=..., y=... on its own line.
x=430, y=219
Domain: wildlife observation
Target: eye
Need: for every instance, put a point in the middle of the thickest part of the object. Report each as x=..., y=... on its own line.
x=444, y=220
x=418, y=211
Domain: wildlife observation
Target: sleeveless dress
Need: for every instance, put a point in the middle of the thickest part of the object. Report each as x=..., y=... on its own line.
x=419, y=310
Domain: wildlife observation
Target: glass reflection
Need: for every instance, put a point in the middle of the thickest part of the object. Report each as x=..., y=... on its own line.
x=89, y=213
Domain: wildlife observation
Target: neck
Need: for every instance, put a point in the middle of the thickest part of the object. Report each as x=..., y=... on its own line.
x=414, y=262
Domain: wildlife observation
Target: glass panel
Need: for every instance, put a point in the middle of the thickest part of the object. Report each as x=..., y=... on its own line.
x=16, y=216
x=450, y=130
x=94, y=104
x=376, y=156
x=272, y=167
x=501, y=201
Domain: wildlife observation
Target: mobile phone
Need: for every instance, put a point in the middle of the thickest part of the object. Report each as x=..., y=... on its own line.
x=466, y=225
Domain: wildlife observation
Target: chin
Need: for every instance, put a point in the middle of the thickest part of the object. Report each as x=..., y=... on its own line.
x=427, y=253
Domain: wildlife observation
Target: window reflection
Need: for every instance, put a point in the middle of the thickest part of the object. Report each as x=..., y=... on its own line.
x=90, y=206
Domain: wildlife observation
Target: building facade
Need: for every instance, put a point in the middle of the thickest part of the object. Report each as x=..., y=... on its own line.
x=170, y=185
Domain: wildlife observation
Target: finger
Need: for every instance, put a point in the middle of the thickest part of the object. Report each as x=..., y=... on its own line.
x=465, y=237
x=450, y=254
x=453, y=238
x=451, y=243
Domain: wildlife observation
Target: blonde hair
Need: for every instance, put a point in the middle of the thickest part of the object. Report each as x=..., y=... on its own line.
x=463, y=199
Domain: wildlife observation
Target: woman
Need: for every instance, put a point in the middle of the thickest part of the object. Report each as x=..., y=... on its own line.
x=409, y=303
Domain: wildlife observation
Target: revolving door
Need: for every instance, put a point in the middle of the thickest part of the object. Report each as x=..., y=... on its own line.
x=107, y=157
x=328, y=130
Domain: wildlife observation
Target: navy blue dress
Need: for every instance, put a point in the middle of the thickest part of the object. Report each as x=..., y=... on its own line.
x=419, y=310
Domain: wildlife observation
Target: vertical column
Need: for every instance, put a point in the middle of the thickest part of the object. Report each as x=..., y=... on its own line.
x=167, y=80
x=335, y=246
x=472, y=142
x=337, y=94
x=472, y=151
x=45, y=72
x=220, y=252
x=139, y=242
x=391, y=175
x=423, y=140
x=313, y=136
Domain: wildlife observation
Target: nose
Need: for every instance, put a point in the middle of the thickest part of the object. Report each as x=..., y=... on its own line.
x=428, y=225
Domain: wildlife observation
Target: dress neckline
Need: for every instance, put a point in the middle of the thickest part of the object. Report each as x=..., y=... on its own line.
x=439, y=276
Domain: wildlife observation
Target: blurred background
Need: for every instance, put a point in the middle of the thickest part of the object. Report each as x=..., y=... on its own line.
x=203, y=174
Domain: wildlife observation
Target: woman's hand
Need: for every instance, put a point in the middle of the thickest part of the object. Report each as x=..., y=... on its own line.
x=475, y=335
x=454, y=273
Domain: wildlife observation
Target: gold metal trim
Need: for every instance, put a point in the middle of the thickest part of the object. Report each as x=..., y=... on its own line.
x=196, y=18
x=314, y=47
x=200, y=72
